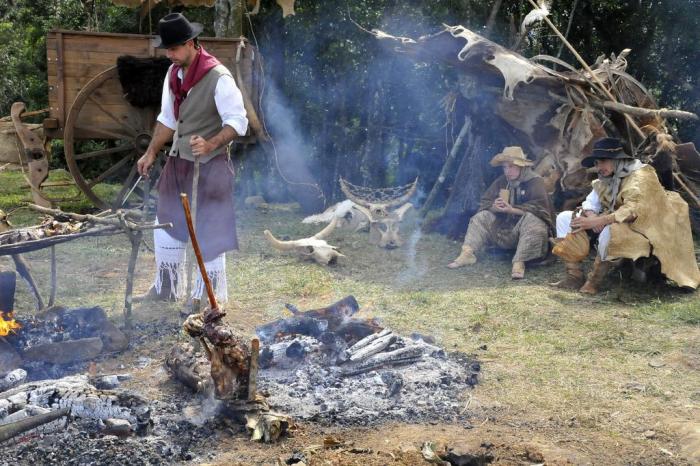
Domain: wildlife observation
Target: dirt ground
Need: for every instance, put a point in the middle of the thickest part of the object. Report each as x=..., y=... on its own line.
x=566, y=379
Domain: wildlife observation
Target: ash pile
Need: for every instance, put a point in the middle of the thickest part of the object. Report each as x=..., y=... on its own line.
x=80, y=420
x=330, y=367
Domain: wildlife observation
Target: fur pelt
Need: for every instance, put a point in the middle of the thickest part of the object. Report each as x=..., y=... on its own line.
x=142, y=79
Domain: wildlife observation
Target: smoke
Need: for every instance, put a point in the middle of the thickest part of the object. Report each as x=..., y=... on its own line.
x=413, y=270
x=290, y=149
x=207, y=410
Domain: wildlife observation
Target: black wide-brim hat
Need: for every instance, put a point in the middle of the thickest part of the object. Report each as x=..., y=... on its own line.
x=175, y=29
x=606, y=148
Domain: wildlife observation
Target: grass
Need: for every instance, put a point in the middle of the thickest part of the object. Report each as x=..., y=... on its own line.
x=551, y=359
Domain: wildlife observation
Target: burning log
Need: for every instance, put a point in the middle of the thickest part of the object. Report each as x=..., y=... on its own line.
x=11, y=430
x=62, y=336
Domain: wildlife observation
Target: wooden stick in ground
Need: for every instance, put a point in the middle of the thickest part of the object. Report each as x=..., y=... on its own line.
x=198, y=252
x=188, y=255
x=253, y=372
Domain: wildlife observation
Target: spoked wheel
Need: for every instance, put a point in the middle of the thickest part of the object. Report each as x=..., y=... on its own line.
x=104, y=136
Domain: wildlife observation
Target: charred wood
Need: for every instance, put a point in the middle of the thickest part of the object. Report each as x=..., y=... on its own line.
x=64, y=352
x=9, y=358
x=11, y=380
x=189, y=367
x=311, y=323
x=368, y=340
x=377, y=346
x=9, y=431
x=405, y=355
x=76, y=394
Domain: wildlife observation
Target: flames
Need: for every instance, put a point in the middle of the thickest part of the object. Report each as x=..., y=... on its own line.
x=7, y=326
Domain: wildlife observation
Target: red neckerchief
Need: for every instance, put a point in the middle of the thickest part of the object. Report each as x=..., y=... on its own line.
x=200, y=66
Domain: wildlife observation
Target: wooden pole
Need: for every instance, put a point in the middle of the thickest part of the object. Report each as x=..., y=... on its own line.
x=54, y=277
x=447, y=167
x=253, y=372
x=198, y=252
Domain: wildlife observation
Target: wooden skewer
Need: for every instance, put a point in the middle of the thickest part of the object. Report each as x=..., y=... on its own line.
x=198, y=252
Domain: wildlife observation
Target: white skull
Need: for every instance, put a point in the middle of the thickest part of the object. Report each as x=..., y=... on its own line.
x=313, y=247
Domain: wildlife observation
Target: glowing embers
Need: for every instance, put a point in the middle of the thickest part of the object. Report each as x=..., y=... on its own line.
x=8, y=324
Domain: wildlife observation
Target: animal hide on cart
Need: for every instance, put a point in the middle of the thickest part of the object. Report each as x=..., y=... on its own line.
x=556, y=116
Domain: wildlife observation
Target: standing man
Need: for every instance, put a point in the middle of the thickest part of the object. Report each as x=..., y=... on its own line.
x=515, y=213
x=201, y=112
x=633, y=217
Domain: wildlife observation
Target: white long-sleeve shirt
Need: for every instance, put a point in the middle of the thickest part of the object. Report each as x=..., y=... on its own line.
x=228, y=99
x=592, y=202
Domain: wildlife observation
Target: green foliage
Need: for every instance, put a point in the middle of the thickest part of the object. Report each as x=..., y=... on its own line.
x=357, y=108
x=23, y=28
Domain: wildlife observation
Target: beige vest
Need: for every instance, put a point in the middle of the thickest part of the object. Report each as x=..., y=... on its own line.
x=199, y=116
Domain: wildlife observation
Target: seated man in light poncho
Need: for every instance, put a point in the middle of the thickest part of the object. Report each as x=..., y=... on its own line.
x=633, y=216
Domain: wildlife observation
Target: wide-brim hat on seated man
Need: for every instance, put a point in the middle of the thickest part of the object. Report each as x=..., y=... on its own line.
x=174, y=29
x=606, y=148
x=512, y=154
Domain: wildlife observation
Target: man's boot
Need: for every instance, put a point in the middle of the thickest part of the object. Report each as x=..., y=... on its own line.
x=574, y=277
x=466, y=257
x=518, y=270
x=596, y=276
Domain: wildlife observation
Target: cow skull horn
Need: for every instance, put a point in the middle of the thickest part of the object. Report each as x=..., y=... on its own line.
x=278, y=244
x=323, y=234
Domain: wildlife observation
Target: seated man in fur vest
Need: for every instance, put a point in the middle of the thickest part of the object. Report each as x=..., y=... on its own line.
x=515, y=213
x=632, y=215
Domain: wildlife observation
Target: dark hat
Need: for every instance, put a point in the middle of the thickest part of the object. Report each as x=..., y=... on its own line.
x=606, y=148
x=174, y=29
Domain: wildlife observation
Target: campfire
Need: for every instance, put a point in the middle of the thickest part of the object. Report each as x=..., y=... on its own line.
x=9, y=325
x=330, y=365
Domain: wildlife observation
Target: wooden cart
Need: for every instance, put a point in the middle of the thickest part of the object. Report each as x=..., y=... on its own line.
x=87, y=108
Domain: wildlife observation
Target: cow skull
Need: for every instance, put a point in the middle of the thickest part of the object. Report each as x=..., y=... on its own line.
x=385, y=231
x=384, y=223
x=313, y=247
x=348, y=215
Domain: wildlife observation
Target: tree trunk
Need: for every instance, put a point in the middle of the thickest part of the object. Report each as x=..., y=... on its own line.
x=373, y=166
x=466, y=191
x=228, y=20
x=492, y=18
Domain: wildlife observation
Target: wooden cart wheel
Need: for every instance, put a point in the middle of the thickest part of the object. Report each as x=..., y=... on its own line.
x=101, y=124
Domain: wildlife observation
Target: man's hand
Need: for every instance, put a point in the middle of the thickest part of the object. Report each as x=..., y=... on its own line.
x=145, y=163
x=503, y=207
x=589, y=222
x=200, y=146
x=500, y=205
